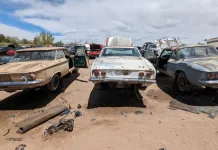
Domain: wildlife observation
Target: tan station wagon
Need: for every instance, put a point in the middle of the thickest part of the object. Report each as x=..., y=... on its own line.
x=39, y=67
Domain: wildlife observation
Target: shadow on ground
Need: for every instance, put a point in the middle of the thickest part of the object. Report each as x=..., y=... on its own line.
x=113, y=98
x=32, y=100
x=197, y=97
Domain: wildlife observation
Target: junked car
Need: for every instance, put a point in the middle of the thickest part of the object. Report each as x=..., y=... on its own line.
x=32, y=68
x=190, y=65
x=122, y=66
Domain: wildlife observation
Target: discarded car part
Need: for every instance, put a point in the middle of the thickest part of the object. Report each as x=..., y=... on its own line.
x=78, y=113
x=212, y=111
x=7, y=132
x=167, y=42
x=36, y=120
x=138, y=112
x=13, y=139
x=118, y=41
x=63, y=124
x=79, y=106
x=20, y=147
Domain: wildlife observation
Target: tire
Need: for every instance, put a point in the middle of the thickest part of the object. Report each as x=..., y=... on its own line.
x=182, y=83
x=53, y=85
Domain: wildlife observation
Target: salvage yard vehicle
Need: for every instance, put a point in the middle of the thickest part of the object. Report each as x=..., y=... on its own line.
x=32, y=68
x=190, y=65
x=122, y=67
x=95, y=50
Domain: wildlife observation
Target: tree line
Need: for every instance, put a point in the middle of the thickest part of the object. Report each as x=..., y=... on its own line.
x=43, y=39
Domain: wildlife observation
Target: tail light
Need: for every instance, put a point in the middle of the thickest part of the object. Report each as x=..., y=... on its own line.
x=96, y=73
x=149, y=74
x=103, y=73
x=141, y=74
x=31, y=77
x=210, y=76
x=11, y=52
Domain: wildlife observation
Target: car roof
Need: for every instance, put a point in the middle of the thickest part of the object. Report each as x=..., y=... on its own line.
x=120, y=47
x=41, y=49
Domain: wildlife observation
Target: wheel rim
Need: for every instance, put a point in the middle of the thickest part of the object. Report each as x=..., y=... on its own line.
x=182, y=83
x=55, y=82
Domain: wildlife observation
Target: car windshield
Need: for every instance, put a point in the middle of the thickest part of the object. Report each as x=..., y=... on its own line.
x=197, y=52
x=152, y=46
x=34, y=56
x=121, y=52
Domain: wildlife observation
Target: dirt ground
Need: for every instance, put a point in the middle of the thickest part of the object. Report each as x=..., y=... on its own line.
x=109, y=120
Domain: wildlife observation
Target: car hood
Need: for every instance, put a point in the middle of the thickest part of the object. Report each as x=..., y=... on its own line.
x=25, y=67
x=204, y=64
x=123, y=63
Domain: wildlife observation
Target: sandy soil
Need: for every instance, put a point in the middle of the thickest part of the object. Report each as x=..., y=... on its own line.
x=109, y=120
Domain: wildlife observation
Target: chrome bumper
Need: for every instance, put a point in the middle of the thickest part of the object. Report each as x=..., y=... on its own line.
x=209, y=83
x=20, y=83
x=123, y=80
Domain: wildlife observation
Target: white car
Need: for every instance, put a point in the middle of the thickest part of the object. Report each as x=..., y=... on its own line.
x=122, y=67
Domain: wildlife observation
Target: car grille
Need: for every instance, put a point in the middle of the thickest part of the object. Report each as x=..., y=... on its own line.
x=5, y=78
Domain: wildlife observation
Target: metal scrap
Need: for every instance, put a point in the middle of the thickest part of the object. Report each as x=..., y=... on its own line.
x=212, y=111
x=13, y=139
x=20, y=147
x=7, y=132
x=78, y=113
x=63, y=124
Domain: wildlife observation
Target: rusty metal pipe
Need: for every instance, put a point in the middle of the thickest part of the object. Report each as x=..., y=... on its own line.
x=38, y=119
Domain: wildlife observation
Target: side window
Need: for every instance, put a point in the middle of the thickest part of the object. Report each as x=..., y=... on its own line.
x=60, y=54
x=166, y=52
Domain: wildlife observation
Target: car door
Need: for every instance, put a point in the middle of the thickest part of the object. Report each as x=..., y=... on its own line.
x=171, y=64
x=63, y=62
x=151, y=56
x=81, y=59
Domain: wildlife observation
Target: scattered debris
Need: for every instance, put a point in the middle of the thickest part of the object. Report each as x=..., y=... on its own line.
x=20, y=147
x=11, y=116
x=122, y=113
x=40, y=118
x=66, y=112
x=93, y=119
x=212, y=115
x=7, y=132
x=79, y=106
x=162, y=149
x=159, y=122
x=63, y=124
x=138, y=112
x=13, y=139
x=212, y=111
x=151, y=113
x=78, y=113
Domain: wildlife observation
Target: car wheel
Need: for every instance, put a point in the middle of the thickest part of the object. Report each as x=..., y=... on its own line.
x=54, y=83
x=183, y=83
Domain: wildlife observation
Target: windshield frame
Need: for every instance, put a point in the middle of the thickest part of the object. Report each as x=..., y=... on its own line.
x=215, y=52
x=104, y=49
x=39, y=51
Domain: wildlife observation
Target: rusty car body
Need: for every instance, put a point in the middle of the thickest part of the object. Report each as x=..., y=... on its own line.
x=189, y=65
x=120, y=65
x=37, y=67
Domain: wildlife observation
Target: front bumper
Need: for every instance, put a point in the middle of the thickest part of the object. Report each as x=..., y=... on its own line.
x=123, y=80
x=209, y=83
x=20, y=83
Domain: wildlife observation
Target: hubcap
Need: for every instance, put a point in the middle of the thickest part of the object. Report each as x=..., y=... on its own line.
x=55, y=82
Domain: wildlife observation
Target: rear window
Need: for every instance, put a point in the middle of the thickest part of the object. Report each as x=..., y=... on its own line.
x=95, y=47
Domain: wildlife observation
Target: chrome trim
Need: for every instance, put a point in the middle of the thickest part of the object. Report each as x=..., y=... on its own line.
x=19, y=83
x=127, y=80
x=209, y=82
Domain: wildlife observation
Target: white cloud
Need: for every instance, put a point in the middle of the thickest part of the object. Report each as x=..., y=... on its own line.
x=14, y=31
x=143, y=20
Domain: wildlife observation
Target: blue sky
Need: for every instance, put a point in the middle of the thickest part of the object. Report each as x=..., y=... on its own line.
x=94, y=20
